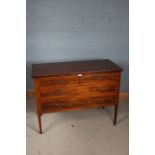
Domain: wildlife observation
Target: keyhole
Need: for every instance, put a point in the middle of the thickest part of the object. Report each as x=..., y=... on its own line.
x=79, y=75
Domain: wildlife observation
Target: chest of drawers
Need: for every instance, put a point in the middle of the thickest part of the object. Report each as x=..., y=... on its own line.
x=76, y=85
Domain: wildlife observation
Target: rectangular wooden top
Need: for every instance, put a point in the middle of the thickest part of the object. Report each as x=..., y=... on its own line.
x=74, y=67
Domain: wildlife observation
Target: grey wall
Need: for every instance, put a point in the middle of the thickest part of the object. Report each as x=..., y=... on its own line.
x=64, y=30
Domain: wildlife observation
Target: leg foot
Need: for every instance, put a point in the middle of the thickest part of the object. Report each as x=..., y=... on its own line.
x=114, y=123
x=39, y=122
x=115, y=114
x=40, y=132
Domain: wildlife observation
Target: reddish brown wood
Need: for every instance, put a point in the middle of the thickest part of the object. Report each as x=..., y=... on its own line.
x=73, y=92
x=76, y=85
x=81, y=102
x=74, y=67
x=91, y=106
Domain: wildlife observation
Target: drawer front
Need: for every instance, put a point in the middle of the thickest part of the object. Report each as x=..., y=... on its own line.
x=74, y=92
x=93, y=102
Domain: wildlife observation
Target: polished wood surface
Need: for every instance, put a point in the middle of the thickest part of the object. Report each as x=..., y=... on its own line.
x=74, y=67
x=76, y=85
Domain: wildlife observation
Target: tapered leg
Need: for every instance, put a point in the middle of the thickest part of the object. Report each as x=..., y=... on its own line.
x=115, y=113
x=39, y=122
x=102, y=107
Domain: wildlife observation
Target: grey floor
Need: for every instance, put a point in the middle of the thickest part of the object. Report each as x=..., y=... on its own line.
x=85, y=132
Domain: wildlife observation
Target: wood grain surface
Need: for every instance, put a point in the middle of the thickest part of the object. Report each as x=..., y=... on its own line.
x=76, y=85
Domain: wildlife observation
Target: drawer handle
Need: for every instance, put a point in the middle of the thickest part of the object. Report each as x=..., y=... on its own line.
x=79, y=75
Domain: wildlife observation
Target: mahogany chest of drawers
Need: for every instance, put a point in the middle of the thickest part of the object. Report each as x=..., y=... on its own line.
x=76, y=85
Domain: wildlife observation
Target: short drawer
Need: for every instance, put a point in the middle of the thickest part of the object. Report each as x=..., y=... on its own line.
x=92, y=102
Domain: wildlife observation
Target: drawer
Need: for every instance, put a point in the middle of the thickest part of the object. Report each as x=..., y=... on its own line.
x=78, y=104
x=58, y=80
x=72, y=91
x=99, y=78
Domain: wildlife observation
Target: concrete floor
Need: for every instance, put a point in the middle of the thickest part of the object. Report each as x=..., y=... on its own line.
x=85, y=132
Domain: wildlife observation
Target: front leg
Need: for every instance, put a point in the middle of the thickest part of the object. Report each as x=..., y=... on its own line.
x=115, y=113
x=39, y=122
